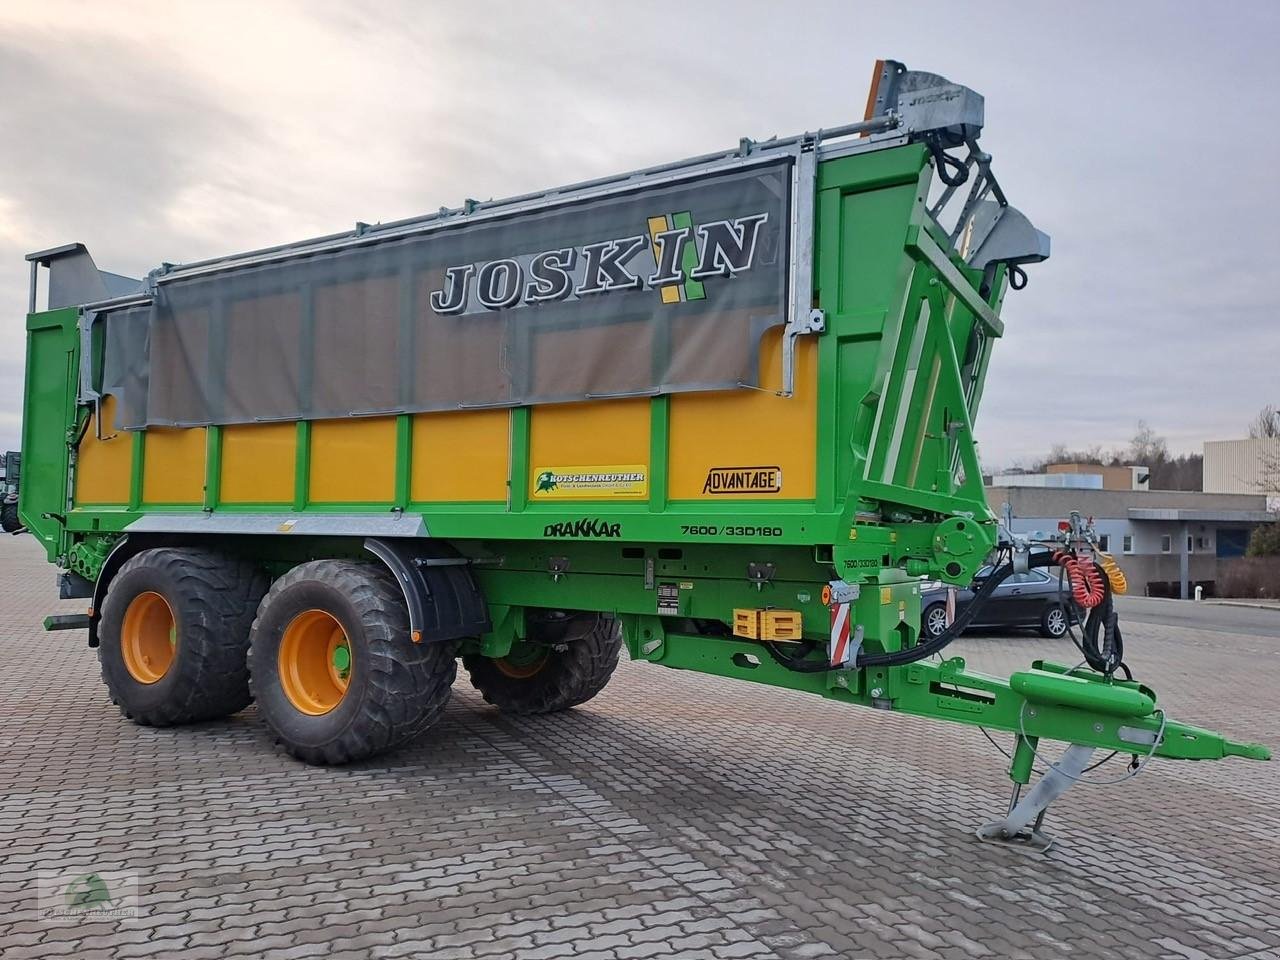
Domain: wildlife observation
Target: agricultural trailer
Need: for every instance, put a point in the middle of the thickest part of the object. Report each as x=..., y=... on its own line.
x=718, y=411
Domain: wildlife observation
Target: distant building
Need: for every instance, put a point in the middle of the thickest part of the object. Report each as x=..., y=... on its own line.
x=1112, y=477
x=1079, y=476
x=1054, y=481
x=1243, y=466
x=1166, y=541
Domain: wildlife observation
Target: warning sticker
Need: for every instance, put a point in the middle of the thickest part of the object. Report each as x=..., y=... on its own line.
x=629, y=481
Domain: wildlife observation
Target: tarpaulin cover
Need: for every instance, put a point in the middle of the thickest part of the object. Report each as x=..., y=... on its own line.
x=666, y=288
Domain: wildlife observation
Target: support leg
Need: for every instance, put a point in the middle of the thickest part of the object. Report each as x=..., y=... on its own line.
x=1026, y=814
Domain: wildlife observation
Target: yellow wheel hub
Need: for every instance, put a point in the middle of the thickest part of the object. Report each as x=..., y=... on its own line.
x=523, y=662
x=148, y=637
x=315, y=662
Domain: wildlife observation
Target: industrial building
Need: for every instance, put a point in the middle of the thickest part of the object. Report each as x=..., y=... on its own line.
x=1243, y=466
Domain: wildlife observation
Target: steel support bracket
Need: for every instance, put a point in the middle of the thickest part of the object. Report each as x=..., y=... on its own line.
x=1026, y=814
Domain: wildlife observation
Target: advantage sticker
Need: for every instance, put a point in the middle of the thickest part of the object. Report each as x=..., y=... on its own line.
x=743, y=480
x=609, y=482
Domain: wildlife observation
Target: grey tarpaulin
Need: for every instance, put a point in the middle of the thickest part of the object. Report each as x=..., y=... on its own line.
x=662, y=289
x=124, y=364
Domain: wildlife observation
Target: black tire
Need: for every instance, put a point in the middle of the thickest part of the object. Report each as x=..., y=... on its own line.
x=1053, y=622
x=933, y=620
x=395, y=688
x=563, y=678
x=211, y=599
x=9, y=520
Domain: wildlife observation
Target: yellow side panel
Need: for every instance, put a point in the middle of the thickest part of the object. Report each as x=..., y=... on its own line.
x=604, y=434
x=749, y=429
x=353, y=461
x=257, y=463
x=104, y=467
x=173, y=466
x=460, y=456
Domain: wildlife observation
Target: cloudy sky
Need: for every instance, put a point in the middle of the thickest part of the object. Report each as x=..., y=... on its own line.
x=1142, y=137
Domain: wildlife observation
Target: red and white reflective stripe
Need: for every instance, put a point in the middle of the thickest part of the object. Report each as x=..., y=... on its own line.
x=951, y=605
x=839, y=649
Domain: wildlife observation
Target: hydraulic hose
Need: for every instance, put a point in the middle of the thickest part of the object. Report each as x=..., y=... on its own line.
x=1102, y=643
x=798, y=661
x=922, y=651
x=944, y=162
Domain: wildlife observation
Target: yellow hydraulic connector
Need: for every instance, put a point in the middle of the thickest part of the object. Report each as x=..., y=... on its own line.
x=774, y=625
x=1112, y=569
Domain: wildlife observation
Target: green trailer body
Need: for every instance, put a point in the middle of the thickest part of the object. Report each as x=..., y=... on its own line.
x=797, y=566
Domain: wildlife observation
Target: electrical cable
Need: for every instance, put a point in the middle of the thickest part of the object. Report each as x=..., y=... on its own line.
x=1008, y=756
x=1137, y=767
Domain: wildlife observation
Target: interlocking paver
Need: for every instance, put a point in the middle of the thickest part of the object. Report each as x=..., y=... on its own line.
x=675, y=815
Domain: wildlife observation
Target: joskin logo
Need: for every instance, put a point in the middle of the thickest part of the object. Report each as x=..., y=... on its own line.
x=593, y=482
x=584, y=529
x=740, y=480
x=680, y=256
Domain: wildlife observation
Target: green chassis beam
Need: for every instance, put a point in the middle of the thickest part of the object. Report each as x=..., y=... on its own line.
x=946, y=691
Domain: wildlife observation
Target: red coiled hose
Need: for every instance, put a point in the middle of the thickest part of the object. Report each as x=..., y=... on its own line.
x=1086, y=581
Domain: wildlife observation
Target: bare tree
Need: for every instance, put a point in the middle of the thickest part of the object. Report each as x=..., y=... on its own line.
x=1266, y=425
x=1147, y=448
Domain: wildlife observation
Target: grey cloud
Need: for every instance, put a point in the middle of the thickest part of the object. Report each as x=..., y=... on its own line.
x=98, y=139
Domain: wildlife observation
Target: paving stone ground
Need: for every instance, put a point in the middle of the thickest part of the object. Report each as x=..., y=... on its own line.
x=674, y=815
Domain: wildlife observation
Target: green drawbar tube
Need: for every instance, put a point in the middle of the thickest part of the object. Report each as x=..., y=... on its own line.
x=1067, y=691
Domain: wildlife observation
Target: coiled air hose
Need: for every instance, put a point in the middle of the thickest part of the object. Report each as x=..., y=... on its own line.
x=1114, y=574
x=1086, y=582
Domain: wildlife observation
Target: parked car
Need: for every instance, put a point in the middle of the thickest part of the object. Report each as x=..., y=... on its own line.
x=1031, y=599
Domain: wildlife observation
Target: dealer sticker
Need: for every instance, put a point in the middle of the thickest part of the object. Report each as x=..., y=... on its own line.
x=629, y=481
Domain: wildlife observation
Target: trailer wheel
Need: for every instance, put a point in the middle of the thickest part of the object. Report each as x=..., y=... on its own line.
x=538, y=678
x=333, y=668
x=174, y=633
x=9, y=519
